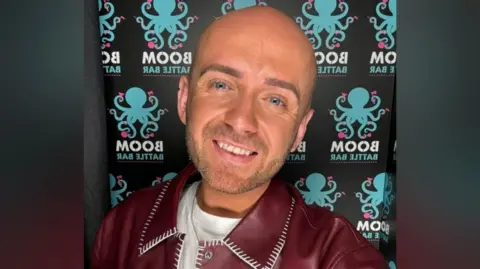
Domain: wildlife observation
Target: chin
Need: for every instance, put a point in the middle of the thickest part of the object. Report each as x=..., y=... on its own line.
x=230, y=182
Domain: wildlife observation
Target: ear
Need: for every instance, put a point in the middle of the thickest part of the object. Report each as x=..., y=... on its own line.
x=302, y=129
x=182, y=98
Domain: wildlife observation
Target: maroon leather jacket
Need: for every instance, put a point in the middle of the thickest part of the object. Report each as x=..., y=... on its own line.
x=280, y=232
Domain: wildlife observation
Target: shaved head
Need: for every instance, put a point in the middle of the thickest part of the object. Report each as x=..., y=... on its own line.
x=246, y=102
x=257, y=24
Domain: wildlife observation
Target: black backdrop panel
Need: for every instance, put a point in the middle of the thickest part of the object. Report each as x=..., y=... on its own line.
x=145, y=53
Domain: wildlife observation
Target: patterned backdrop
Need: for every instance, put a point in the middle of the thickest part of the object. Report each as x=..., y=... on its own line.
x=343, y=163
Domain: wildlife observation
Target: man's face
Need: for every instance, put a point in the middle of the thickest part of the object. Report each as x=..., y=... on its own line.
x=244, y=108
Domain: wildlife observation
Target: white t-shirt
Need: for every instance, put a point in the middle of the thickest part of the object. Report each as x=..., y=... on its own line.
x=198, y=225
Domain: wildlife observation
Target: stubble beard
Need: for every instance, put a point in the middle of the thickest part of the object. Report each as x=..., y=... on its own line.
x=225, y=178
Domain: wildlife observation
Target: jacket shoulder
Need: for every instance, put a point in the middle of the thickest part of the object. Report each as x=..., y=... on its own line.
x=139, y=203
x=323, y=220
x=123, y=223
x=337, y=239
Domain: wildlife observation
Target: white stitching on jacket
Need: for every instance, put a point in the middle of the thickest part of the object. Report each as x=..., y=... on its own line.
x=141, y=247
x=179, y=250
x=275, y=252
x=199, y=256
x=281, y=241
x=227, y=242
x=213, y=243
x=239, y=252
x=157, y=240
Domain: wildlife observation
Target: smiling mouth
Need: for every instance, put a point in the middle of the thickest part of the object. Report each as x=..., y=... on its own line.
x=234, y=150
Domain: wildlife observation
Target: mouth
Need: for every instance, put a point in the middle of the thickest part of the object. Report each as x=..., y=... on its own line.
x=234, y=153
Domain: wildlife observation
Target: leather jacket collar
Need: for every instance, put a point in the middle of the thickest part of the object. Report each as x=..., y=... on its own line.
x=270, y=217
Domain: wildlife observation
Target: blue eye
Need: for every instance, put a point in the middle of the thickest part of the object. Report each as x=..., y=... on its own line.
x=276, y=101
x=218, y=85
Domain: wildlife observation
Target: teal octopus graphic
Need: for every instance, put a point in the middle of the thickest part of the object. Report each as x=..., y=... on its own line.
x=136, y=111
x=374, y=197
x=315, y=183
x=107, y=28
x=116, y=195
x=325, y=21
x=357, y=113
x=165, y=20
x=388, y=27
x=165, y=178
x=231, y=5
x=392, y=265
x=388, y=196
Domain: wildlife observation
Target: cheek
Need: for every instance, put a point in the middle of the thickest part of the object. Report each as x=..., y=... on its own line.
x=278, y=130
x=202, y=111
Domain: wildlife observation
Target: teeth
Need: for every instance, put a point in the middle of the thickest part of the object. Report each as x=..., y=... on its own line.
x=234, y=150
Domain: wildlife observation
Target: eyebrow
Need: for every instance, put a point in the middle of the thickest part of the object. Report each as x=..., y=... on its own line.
x=236, y=73
x=283, y=84
x=222, y=69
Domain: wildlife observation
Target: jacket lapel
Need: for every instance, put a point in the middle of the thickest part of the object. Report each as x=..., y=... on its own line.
x=161, y=222
x=260, y=236
x=257, y=240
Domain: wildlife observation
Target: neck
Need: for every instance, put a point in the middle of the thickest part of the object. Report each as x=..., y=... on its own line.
x=228, y=205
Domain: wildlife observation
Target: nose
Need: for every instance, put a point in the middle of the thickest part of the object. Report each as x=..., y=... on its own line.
x=241, y=116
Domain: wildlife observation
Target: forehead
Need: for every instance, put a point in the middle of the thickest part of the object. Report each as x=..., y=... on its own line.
x=256, y=54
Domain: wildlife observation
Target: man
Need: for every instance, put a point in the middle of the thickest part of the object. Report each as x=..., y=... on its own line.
x=245, y=104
